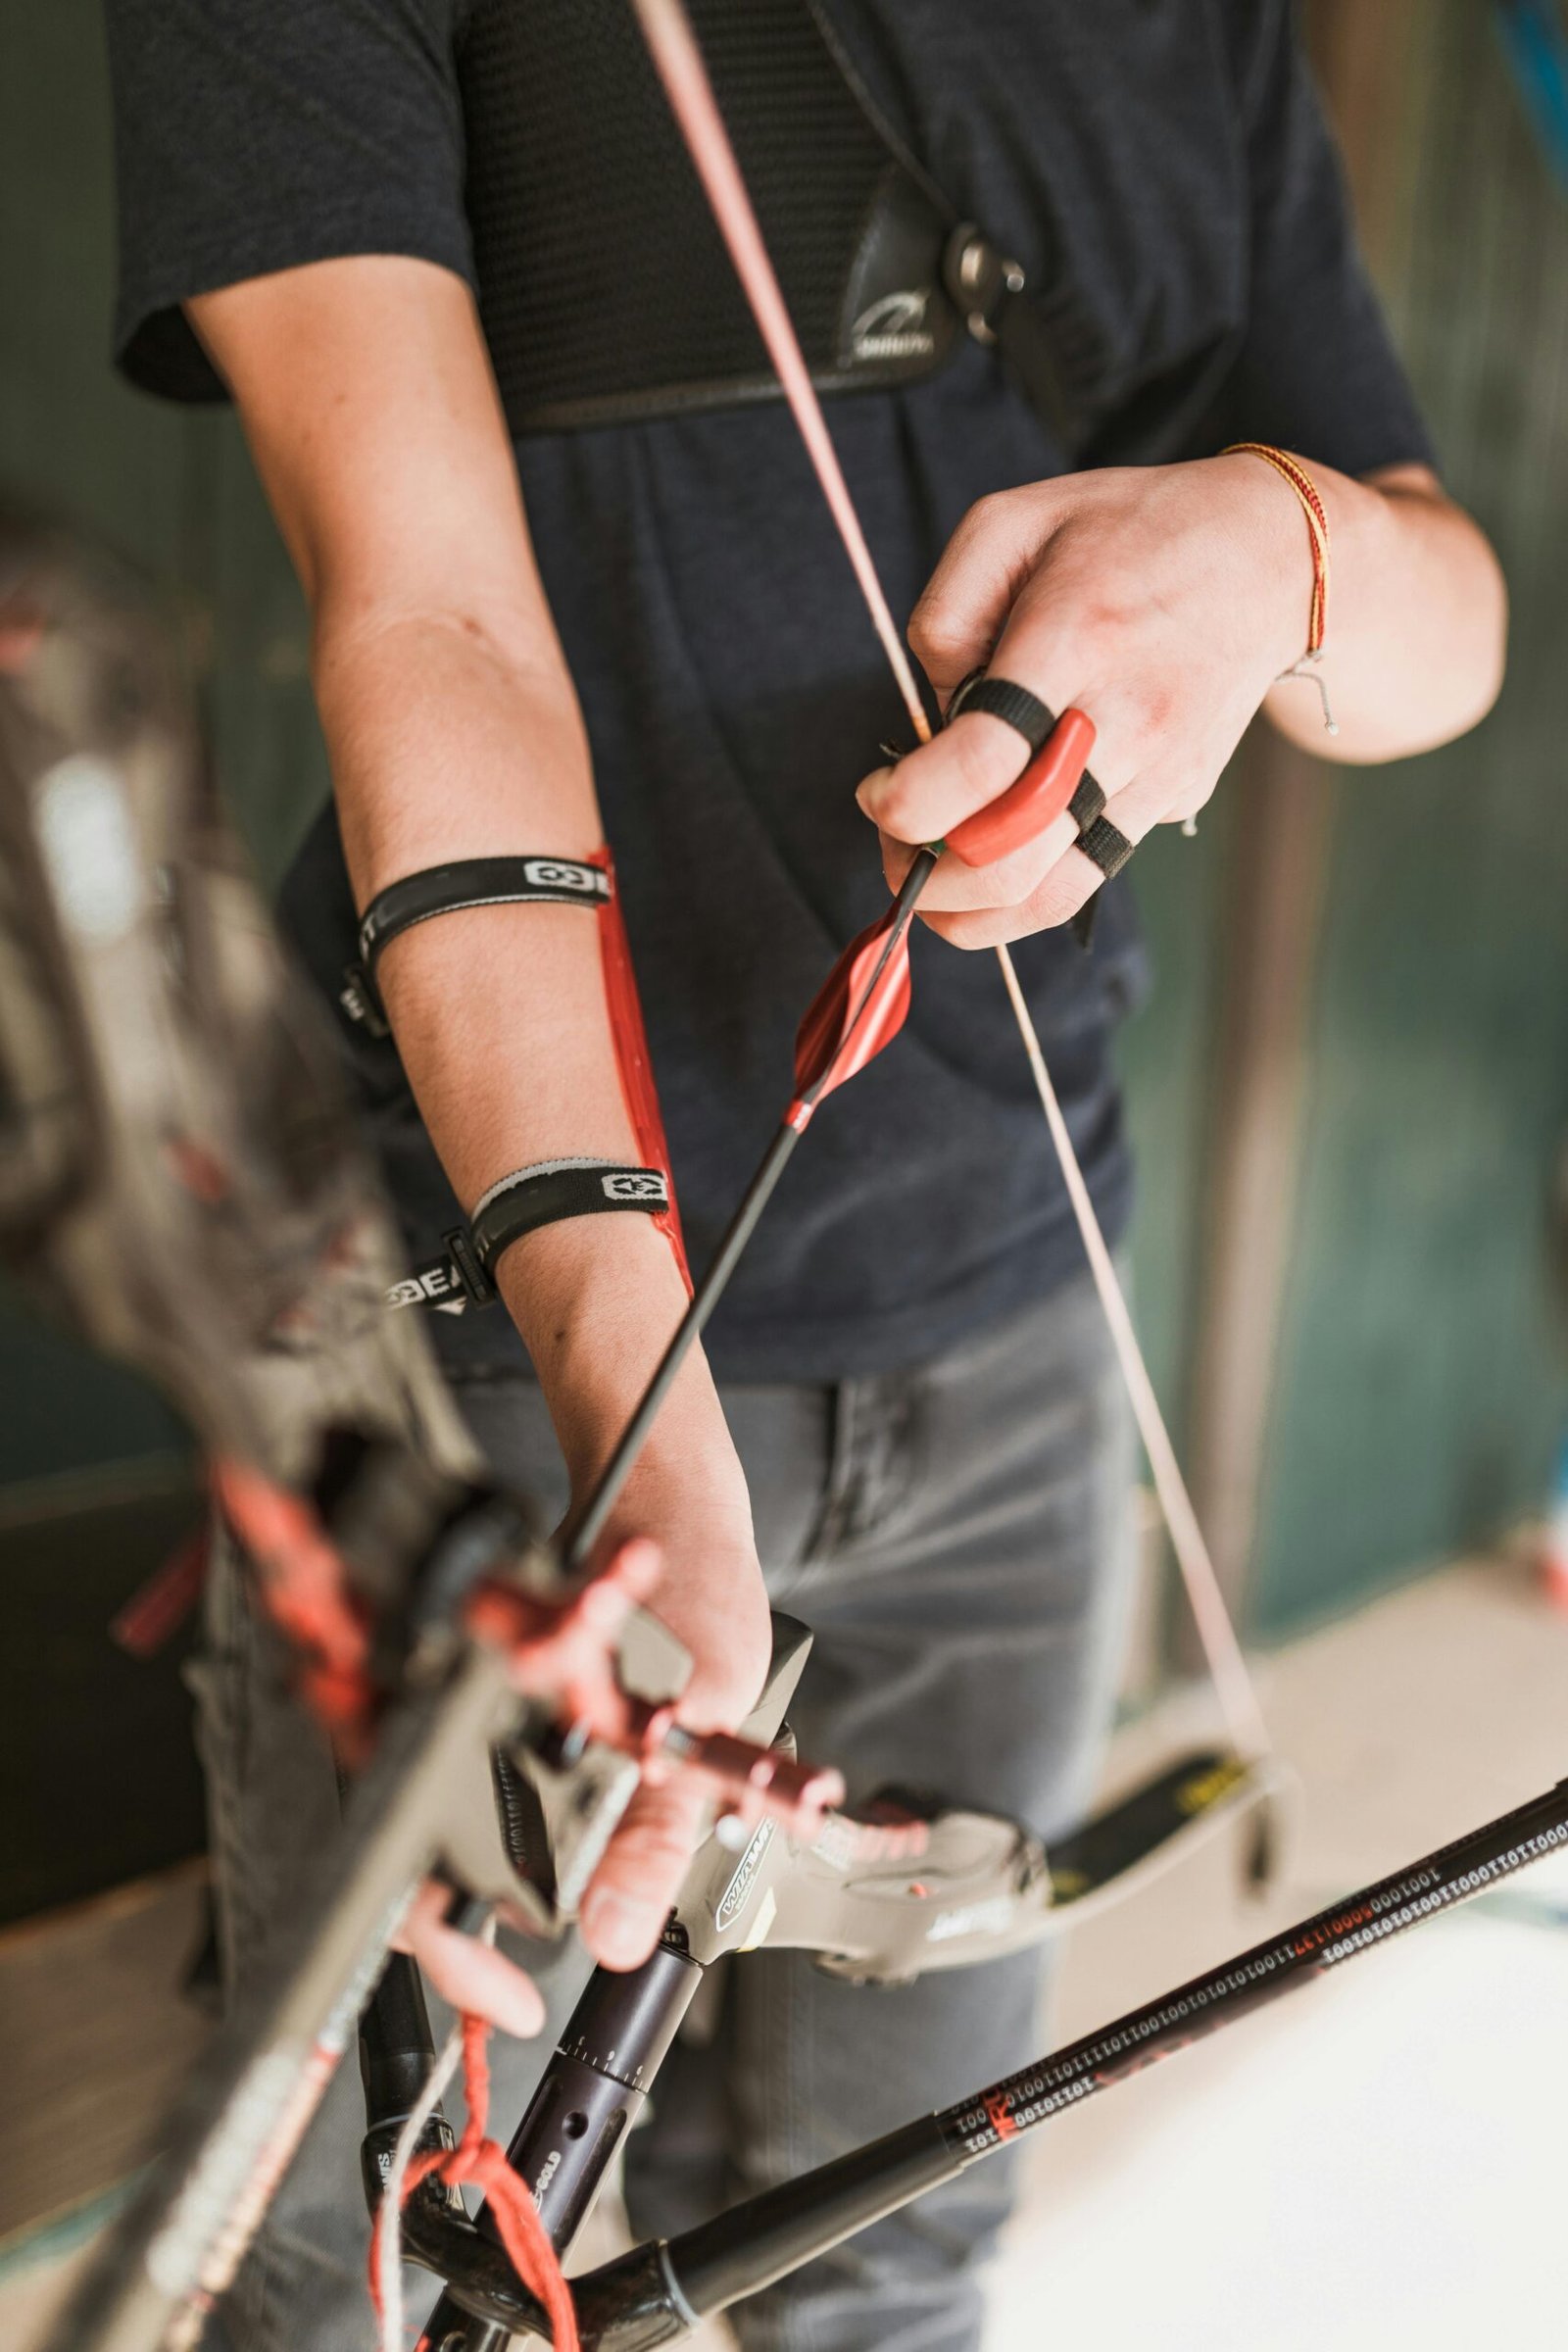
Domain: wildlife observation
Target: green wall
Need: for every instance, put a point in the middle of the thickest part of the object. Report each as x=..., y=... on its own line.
x=175, y=491
x=1420, y=1370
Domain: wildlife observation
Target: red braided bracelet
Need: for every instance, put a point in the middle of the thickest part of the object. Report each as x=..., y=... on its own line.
x=1290, y=470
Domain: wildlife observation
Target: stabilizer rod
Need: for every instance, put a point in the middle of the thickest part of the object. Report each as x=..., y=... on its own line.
x=657, y=2294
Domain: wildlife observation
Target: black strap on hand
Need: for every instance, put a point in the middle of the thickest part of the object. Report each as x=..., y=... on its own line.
x=449, y=890
x=1105, y=843
x=1001, y=698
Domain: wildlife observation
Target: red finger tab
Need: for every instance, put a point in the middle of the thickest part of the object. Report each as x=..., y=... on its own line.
x=1022, y=813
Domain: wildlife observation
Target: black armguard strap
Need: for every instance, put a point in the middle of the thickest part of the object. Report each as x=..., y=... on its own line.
x=546, y=1194
x=447, y=890
x=554, y=1189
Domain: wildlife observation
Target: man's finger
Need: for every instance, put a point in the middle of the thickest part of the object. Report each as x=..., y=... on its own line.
x=972, y=764
x=968, y=918
x=624, y=1909
x=467, y=1974
x=955, y=888
x=960, y=772
x=1072, y=881
x=1042, y=793
x=970, y=593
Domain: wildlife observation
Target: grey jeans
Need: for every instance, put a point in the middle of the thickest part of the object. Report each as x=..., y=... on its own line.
x=958, y=1537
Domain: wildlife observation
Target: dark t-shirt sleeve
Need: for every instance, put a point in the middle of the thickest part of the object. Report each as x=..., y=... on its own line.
x=254, y=136
x=1317, y=372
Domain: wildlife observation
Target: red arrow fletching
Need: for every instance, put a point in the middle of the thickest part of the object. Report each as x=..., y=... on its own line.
x=858, y=1010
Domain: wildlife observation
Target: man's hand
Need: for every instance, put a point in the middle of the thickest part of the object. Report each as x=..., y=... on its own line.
x=686, y=1501
x=1165, y=602
x=708, y=1591
x=596, y=1300
x=687, y=1489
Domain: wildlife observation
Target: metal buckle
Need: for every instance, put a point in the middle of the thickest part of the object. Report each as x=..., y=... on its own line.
x=979, y=279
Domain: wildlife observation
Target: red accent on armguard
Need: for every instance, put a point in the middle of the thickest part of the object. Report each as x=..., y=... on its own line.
x=637, y=1088
x=1023, y=812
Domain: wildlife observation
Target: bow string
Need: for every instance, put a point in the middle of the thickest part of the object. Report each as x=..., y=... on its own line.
x=847, y=1025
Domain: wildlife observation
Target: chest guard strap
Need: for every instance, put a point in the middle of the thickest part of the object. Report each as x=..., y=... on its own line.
x=605, y=290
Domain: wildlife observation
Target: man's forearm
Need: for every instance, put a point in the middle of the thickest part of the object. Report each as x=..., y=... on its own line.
x=453, y=732
x=1417, y=617
x=450, y=740
x=447, y=741
x=445, y=746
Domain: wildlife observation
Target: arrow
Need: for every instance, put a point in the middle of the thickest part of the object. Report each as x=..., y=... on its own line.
x=865, y=998
x=860, y=1009
x=856, y=1014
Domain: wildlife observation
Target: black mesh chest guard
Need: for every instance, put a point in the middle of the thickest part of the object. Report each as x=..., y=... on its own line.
x=605, y=287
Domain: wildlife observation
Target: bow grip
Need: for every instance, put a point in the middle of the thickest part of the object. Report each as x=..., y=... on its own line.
x=1040, y=795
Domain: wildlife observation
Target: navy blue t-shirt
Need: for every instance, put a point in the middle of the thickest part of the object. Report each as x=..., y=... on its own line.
x=1162, y=169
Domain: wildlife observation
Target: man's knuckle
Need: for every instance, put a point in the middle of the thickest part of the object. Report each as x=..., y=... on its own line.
x=1069, y=888
x=985, y=512
x=653, y=1852
x=936, y=631
x=1156, y=711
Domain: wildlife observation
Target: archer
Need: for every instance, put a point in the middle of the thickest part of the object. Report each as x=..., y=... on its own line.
x=568, y=585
